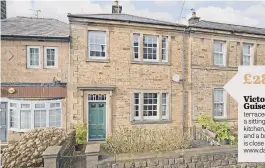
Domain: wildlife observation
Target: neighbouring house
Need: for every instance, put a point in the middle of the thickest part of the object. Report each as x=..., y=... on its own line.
x=116, y=70
x=216, y=51
x=34, y=64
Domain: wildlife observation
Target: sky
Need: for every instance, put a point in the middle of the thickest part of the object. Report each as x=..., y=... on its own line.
x=248, y=13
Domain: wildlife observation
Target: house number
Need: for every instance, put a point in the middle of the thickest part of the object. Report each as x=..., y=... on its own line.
x=255, y=79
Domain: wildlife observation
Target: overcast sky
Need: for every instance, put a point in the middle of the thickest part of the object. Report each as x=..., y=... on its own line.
x=250, y=13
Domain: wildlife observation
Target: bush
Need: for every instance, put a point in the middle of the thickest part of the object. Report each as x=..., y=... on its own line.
x=146, y=140
x=81, y=133
x=27, y=152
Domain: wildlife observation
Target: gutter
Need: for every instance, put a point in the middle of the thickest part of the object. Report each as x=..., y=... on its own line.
x=35, y=38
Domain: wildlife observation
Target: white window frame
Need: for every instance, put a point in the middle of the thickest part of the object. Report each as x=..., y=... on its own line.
x=217, y=52
x=55, y=57
x=250, y=55
x=28, y=57
x=141, y=117
x=224, y=102
x=166, y=60
x=97, y=32
x=157, y=50
x=139, y=41
x=32, y=108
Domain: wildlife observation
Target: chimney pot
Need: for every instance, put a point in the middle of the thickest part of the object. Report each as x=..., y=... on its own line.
x=194, y=19
x=116, y=8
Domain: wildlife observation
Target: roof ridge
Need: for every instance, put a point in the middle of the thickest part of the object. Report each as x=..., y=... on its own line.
x=38, y=18
x=232, y=24
x=157, y=20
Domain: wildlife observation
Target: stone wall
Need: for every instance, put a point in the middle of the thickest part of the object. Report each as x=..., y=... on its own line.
x=14, y=62
x=120, y=71
x=209, y=157
x=205, y=76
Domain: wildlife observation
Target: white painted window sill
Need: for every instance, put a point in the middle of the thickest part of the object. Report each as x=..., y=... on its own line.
x=151, y=122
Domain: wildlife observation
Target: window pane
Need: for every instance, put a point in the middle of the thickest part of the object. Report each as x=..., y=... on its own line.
x=136, y=106
x=54, y=105
x=39, y=118
x=13, y=118
x=34, y=56
x=150, y=105
x=25, y=119
x=218, y=102
x=40, y=105
x=97, y=44
x=55, y=118
x=50, y=56
x=25, y=105
x=150, y=47
x=164, y=48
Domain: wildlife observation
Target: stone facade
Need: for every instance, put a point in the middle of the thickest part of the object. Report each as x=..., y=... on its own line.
x=121, y=72
x=14, y=62
x=205, y=76
x=14, y=70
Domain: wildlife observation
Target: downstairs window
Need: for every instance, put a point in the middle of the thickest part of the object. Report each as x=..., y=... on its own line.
x=25, y=115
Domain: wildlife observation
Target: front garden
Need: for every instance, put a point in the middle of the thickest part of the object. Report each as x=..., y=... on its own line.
x=220, y=131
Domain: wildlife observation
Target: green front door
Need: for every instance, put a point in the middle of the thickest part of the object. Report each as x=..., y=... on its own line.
x=97, y=121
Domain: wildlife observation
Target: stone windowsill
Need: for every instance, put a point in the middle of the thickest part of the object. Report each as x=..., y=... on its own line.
x=98, y=60
x=151, y=122
x=151, y=63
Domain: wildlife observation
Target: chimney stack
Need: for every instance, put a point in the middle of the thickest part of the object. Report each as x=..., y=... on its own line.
x=3, y=9
x=194, y=19
x=115, y=7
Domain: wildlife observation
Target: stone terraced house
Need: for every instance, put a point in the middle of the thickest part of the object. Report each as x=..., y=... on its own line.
x=116, y=70
x=34, y=63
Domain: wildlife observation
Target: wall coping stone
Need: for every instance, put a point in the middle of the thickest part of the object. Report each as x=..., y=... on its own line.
x=51, y=152
x=92, y=149
x=173, y=154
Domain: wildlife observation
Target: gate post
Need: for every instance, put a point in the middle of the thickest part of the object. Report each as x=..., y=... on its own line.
x=51, y=157
x=92, y=153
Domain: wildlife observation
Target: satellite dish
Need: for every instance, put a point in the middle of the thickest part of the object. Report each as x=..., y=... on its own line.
x=176, y=78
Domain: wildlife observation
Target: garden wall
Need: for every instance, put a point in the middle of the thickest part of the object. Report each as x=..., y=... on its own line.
x=208, y=157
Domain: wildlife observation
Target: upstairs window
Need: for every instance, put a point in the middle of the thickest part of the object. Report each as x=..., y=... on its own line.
x=219, y=58
x=150, y=47
x=136, y=48
x=33, y=57
x=96, y=45
x=164, y=49
x=50, y=57
x=247, y=56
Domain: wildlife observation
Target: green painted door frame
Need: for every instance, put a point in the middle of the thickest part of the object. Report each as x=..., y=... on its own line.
x=96, y=120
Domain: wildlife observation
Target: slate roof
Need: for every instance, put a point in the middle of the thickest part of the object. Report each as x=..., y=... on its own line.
x=125, y=18
x=228, y=27
x=34, y=27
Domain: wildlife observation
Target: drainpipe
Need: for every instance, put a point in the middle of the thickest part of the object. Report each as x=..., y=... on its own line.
x=183, y=81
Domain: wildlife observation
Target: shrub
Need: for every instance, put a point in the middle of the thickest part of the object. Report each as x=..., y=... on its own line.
x=81, y=133
x=146, y=140
x=27, y=152
x=204, y=120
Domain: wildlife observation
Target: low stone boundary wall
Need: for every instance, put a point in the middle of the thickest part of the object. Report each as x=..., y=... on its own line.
x=208, y=157
x=60, y=156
